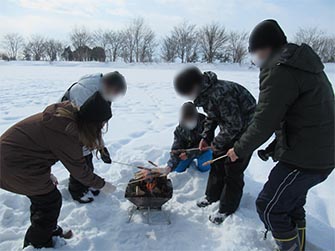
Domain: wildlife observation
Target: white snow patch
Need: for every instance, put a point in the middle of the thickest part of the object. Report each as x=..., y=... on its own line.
x=141, y=129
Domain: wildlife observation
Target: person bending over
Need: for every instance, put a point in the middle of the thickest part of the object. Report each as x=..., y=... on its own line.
x=110, y=85
x=230, y=107
x=29, y=148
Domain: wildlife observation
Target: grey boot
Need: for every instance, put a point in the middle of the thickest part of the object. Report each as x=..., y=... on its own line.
x=287, y=241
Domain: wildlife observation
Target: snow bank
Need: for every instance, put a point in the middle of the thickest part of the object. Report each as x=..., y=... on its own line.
x=141, y=129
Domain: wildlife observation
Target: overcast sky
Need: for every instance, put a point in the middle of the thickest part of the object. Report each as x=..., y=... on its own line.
x=55, y=18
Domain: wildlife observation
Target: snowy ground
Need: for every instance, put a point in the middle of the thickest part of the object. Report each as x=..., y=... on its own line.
x=141, y=129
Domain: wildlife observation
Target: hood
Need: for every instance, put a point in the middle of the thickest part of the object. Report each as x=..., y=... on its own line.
x=60, y=124
x=210, y=78
x=300, y=57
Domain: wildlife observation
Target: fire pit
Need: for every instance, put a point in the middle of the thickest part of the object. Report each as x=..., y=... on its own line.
x=148, y=195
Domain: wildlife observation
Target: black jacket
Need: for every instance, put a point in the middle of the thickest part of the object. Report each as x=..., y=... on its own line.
x=296, y=101
x=229, y=106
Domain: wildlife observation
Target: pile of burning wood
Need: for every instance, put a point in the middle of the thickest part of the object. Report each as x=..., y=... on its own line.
x=149, y=189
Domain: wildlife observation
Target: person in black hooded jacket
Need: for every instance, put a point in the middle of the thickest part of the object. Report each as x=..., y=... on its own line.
x=296, y=101
x=230, y=107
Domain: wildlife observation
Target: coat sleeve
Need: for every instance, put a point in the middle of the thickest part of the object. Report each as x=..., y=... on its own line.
x=230, y=125
x=178, y=143
x=210, y=125
x=71, y=156
x=278, y=92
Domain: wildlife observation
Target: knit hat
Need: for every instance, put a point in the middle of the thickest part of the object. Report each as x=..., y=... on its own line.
x=267, y=34
x=115, y=79
x=187, y=79
x=188, y=110
x=95, y=109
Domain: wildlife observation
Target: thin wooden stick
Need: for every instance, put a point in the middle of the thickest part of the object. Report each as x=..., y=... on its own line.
x=134, y=166
x=152, y=163
x=213, y=160
x=138, y=180
x=190, y=150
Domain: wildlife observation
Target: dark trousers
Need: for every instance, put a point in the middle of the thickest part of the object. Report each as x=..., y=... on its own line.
x=77, y=189
x=226, y=182
x=280, y=204
x=44, y=212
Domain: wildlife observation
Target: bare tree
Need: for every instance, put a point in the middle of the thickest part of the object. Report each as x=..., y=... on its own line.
x=138, y=42
x=36, y=47
x=322, y=44
x=237, y=46
x=53, y=49
x=100, y=38
x=12, y=43
x=311, y=36
x=212, y=40
x=114, y=44
x=81, y=37
x=185, y=36
x=169, y=49
x=328, y=54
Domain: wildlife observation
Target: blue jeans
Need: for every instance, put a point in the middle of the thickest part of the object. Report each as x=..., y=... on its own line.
x=202, y=158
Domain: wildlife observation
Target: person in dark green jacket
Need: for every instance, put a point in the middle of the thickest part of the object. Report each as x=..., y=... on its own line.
x=296, y=101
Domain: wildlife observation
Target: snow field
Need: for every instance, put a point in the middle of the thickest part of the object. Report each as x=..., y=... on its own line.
x=142, y=129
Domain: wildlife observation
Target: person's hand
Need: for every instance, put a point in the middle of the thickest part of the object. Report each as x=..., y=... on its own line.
x=108, y=188
x=54, y=179
x=203, y=145
x=183, y=156
x=232, y=155
x=105, y=156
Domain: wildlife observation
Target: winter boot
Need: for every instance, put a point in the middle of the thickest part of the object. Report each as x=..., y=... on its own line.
x=218, y=218
x=287, y=241
x=301, y=225
x=86, y=198
x=58, y=231
x=203, y=202
x=95, y=192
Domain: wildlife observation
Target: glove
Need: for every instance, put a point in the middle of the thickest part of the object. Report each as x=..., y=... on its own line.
x=108, y=188
x=105, y=156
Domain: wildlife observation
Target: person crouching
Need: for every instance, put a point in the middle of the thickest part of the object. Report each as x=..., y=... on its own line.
x=29, y=149
x=188, y=135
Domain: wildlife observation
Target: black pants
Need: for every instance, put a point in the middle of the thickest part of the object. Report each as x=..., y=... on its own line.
x=226, y=182
x=280, y=204
x=44, y=212
x=77, y=189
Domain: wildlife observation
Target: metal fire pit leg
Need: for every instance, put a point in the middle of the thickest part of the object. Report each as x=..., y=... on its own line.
x=166, y=221
x=131, y=213
x=149, y=211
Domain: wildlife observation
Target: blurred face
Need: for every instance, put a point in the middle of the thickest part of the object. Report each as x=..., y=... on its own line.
x=260, y=56
x=194, y=93
x=189, y=122
x=111, y=93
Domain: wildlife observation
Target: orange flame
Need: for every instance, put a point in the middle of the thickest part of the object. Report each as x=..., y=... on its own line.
x=151, y=185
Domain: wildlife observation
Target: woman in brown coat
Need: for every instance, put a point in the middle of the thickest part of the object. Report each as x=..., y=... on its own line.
x=29, y=149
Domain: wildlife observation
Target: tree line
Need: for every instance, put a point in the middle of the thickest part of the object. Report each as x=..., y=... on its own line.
x=137, y=42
